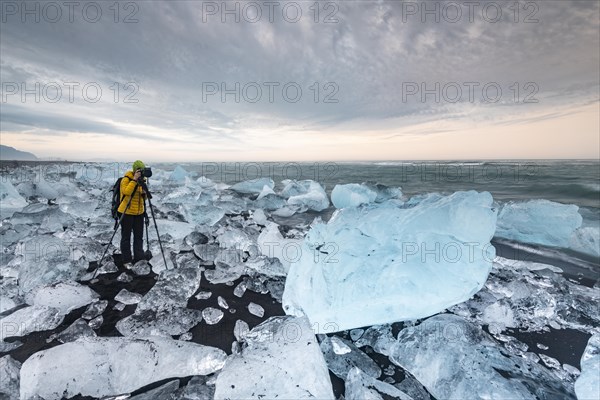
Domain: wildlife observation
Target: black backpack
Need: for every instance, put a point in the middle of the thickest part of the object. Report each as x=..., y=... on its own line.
x=116, y=198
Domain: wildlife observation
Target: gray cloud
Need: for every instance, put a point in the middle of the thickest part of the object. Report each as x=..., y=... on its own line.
x=369, y=54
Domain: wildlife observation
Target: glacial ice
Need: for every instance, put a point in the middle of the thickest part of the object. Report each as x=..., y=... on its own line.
x=527, y=295
x=212, y=315
x=539, y=222
x=169, y=322
x=30, y=319
x=361, y=386
x=256, y=309
x=392, y=254
x=45, y=260
x=94, y=309
x=108, y=366
x=76, y=330
x=352, y=195
x=127, y=297
x=173, y=289
x=9, y=378
x=272, y=244
x=179, y=174
x=341, y=356
x=455, y=359
x=64, y=296
x=282, y=359
x=11, y=199
x=313, y=196
x=37, y=188
x=253, y=186
x=587, y=386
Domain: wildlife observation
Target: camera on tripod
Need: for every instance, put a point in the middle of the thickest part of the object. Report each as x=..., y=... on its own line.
x=146, y=172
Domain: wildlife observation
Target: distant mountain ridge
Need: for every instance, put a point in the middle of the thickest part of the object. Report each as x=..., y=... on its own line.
x=10, y=153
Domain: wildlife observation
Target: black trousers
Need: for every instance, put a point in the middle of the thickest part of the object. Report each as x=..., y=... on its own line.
x=135, y=224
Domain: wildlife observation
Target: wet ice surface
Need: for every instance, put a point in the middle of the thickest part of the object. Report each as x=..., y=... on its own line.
x=228, y=256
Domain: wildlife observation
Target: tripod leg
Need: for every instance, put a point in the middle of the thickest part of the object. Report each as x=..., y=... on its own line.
x=157, y=234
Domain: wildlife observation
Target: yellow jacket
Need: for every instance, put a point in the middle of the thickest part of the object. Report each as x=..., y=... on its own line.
x=137, y=203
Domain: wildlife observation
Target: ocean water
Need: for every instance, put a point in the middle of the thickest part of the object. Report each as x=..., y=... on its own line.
x=565, y=181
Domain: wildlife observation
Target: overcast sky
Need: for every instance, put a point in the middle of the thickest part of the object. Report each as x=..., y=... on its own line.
x=352, y=80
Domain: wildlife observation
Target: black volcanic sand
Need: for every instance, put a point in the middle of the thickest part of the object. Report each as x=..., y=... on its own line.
x=565, y=345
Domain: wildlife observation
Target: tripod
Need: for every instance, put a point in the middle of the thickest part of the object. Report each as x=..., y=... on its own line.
x=146, y=222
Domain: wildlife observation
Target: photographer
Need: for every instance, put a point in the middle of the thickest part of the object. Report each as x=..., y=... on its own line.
x=132, y=184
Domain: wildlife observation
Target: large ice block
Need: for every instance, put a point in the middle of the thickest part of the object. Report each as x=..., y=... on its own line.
x=352, y=195
x=587, y=386
x=539, y=222
x=383, y=263
x=282, y=360
x=455, y=359
x=106, y=366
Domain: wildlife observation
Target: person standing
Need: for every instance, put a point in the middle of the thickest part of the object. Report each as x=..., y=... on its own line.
x=133, y=220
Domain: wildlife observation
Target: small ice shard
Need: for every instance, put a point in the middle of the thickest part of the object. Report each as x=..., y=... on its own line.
x=186, y=336
x=224, y=273
x=240, y=330
x=393, y=254
x=179, y=174
x=453, y=358
x=64, y=296
x=119, y=307
x=265, y=191
x=539, y=221
x=361, y=386
x=168, y=322
x=108, y=366
x=587, y=386
x=78, y=329
x=203, y=295
x=222, y=303
x=30, y=319
x=202, y=215
x=349, y=356
x=158, y=262
x=253, y=186
x=173, y=289
x=212, y=315
x=97, y=322
x=195, y=238
x=498, y=317
x=259, y=217
x=339, y=347
x=355, y=334
x=269, y=266
x=127, y=297
x=198, y=388
x=282, y=360
x=207, y=252
x=108, y=267
x=124, y=277
x=9, y=378
x=94, y=309
x=255, y=309
x=141, y=267
x=162, y=392
x=239, y=290
x=352, y=195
